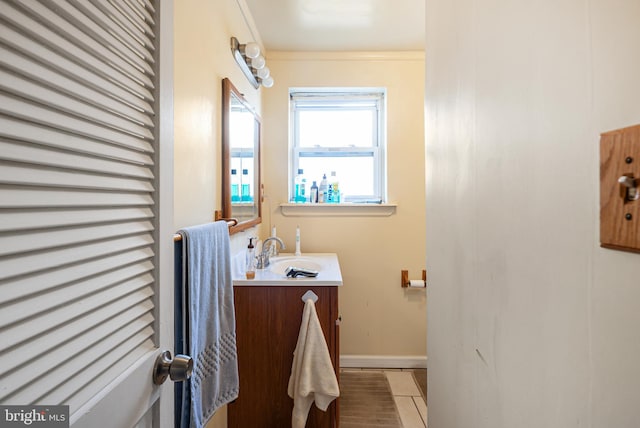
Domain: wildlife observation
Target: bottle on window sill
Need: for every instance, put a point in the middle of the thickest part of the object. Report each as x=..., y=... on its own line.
x=313, y=195
x=299, y=193
x=322, y=190
x=333, y=192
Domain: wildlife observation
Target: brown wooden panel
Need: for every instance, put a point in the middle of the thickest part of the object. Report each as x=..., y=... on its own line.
x=267, y=324
x=619, y=217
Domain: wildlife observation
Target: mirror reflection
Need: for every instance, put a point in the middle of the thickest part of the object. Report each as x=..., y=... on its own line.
x=241, y=159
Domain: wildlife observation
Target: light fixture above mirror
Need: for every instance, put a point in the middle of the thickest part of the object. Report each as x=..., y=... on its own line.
x=252, y=63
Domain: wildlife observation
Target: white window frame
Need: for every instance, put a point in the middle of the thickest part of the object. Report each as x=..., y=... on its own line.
x=332, y=96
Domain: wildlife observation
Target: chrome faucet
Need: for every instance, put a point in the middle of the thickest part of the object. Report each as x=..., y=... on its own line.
x=265, y=253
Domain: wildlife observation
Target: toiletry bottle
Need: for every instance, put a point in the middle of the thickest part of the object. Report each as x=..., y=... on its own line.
x=235, y=186
x=322, y=190
x=299, y=192
x=246, y=188
x=313, y=195
x=297, y=253
x=273, y=251
x=250, y=264
x=335, y=188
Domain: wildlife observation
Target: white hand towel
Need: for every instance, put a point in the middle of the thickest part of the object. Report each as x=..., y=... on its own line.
x=313, y=377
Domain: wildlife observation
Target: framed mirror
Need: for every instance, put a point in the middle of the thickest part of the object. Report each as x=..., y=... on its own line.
x=241, y=195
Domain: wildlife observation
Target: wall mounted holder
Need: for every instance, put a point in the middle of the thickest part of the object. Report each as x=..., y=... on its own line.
x=620, y=189
x=406, y=283
x=309, y=295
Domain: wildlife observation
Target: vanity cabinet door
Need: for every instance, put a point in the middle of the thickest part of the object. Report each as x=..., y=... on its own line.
x=267, y=325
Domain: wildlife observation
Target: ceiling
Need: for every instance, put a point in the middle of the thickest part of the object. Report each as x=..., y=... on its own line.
x=340, y=25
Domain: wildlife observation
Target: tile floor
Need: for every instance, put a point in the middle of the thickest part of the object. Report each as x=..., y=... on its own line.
x=406, y=394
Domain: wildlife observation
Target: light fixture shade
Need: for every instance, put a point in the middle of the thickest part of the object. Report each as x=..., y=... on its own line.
x=258, y=62
x=251, y=50
x=264, y=72
x=252, y=64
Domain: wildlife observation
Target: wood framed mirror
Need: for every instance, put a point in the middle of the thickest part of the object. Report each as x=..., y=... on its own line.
x=241, y=186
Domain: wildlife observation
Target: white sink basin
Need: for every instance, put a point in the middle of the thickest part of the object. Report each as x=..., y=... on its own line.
x=281, y=265
x=274, y=275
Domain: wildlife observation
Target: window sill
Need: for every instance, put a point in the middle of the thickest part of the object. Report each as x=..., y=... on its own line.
x=338, y=210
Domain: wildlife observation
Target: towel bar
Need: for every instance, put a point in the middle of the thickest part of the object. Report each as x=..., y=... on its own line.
x=231, y=222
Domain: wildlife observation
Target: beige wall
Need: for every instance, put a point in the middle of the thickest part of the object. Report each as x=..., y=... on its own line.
x=531, y=323
x=202, y=58
x=379, y=317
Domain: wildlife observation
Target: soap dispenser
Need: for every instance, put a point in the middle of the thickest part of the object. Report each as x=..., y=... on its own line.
x=250, y=264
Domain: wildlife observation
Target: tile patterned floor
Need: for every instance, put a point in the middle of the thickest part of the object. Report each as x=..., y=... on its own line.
x=410, y=402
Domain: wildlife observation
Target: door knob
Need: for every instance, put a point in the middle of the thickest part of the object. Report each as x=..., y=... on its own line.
x=178, y=368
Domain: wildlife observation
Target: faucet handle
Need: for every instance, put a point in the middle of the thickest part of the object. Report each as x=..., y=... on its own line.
x=260, y=261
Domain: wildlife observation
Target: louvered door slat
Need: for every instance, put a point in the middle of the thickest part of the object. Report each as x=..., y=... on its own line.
x=20, y=220
x=36, y=50
x=86, y=59
x=91, y=25
x=133, y=23
x=39, y=114
x=118, y=20
x=44, y=156
x=55, y=139
x=35, y=197
x=40, y=261
x=26, y=287
x=57, y=100
x=57, y=381
x=110, y=353
x=139, y=10
x=76, y=37
x=120, y=366
x=142, y=26
x=40, y=240
x=148, y=5
x=22, y=88
x=35, y=176
x=133, y=289
x=18, y=376
x=77, y=183
x=138, y=44
x=55, y=297
x=61, y=84
x=105, y=316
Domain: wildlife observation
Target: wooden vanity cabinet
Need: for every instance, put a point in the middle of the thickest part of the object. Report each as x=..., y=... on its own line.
x=267, y=324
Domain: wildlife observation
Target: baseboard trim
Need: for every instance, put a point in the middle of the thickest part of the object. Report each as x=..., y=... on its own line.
x=384, y=361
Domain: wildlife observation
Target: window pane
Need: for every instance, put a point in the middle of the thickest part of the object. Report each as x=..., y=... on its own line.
x=242, y=124
x=336, y=128
x=355, y=174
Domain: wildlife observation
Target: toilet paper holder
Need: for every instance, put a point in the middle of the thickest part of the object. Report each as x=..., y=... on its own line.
x=406, y=283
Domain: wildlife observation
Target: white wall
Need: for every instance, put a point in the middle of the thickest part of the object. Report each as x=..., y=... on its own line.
x=531, y=324
x=381, y=320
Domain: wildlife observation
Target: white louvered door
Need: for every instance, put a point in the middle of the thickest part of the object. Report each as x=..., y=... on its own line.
x=85, y=213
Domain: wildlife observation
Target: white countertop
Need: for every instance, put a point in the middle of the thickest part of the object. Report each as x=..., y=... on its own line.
x=329, y=273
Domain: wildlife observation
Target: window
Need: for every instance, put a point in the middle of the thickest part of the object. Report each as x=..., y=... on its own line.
x=341, y=131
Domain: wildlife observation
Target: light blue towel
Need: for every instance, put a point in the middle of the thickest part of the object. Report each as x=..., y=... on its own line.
x=206, y=259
